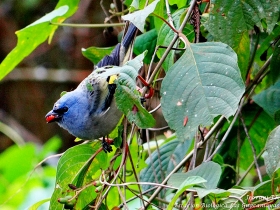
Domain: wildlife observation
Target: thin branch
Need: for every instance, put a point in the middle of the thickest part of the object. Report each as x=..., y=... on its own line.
x=150, y=155
x=228, y=130
x=158, y=129
x=78, y=25
x=170, y=20
x=155, y=109
x=104, y=182
x=259, y=74
x=156, y=69
x=135, y=174
x=104, y=10
x=252, y=147
x=249, y=168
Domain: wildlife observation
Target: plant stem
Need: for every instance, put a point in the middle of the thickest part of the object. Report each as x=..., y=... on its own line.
x=88, y=25
x=249, y=168
x=228, y=131
x=252, y=147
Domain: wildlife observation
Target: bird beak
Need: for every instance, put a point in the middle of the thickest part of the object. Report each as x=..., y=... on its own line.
x=53, y=117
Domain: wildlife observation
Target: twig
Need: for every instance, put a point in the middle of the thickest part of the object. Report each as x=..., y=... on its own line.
x=104, y=10
x=252, y=147
x=158, y=129
x=150, y=155
x=170, y=20
x=135, y=174
x=155, y=109
x=228, y=130
x=170, y=45
x=134, y=183
x=116, y=175
x=259, y=74
x=249, y=168
x=78, y=25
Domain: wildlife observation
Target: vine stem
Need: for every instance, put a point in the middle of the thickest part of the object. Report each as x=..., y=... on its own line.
x=252, y=147
x=249, y=168
x=78, y=25
x=134, y=183
x=228, y=130
x=259, y=75
x=170, y=46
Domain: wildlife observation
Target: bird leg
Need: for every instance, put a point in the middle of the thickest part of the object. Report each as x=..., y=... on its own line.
x=106, y=146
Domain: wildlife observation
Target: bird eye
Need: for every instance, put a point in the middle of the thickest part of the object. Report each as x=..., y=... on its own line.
x=61, y=110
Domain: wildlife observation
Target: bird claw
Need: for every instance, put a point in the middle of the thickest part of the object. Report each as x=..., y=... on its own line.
x=106, y=147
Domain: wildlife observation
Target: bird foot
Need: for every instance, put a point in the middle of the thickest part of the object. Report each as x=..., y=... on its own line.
x=106, y=146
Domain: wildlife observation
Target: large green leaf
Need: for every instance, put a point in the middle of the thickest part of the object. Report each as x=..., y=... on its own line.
x=189, y=182
x=204, y=83
x=36, y=33
x=210, y=171
x=164, y=161
x=269, y=100
x=128, y=98
x=230, y=20
x=271, y=154
x=95, y=54
x=74, y=168
x=138, y=18
x=146, y=41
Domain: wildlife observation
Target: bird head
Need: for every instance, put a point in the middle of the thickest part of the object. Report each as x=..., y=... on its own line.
x=67, y=107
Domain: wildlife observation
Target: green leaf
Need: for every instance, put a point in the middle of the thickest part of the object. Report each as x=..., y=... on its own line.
x=189, y=182
x=271, y=154
x=275, y=63
x=204, y=83
x=35, y=34
x=230, y=20
x=138, y=18
x=269, y=99
x=129, y=103
x=95, y=54
x=73, y=169
x=180, y=4
x=36, y=205
x=164, y=161
x=209, y=171
x=146, y=41
x=128, y=98
x=165, y=35
x=234, y=17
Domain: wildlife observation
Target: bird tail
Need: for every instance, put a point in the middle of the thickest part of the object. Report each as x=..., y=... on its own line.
x=118, y=55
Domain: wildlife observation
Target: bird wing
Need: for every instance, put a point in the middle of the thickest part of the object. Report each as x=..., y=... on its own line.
x=116, y=58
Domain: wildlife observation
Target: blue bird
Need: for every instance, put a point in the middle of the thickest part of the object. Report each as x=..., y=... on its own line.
x=90, y=112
